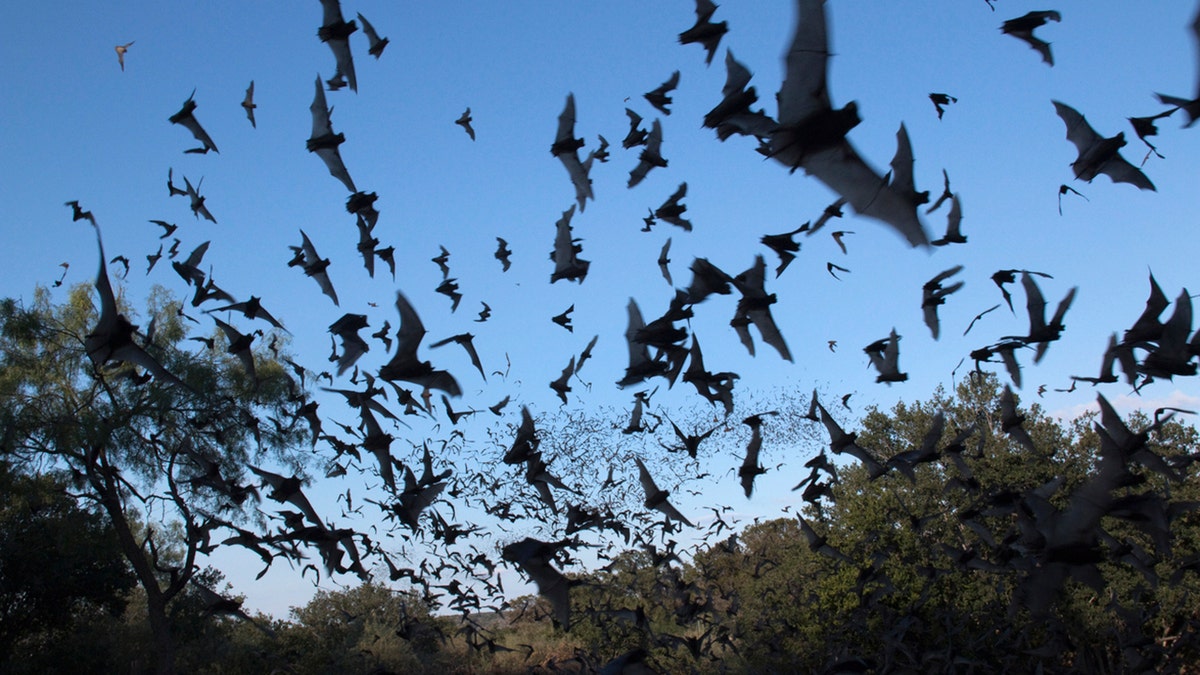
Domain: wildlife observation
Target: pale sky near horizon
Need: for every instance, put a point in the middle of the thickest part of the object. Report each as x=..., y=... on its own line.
x=76, y=127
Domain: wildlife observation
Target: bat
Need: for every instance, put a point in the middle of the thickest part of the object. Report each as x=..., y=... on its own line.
x=314, y=265
x=564, y=319
x=940, y=101
x=885, y=356
x=954, y=233
x=566, y=147
x=658, y=97
x=112, y=337
x=353, y=346
x=335, y=31
x=567, y=264
x=199, y=208
x=812, y=135
x=323, y=141
x=248, y=104
x=733, y=114
x=376, y=44
x=442, y=260
x=755, y=307
x=1040, y=331
x=239, y=346
x=664, y=260
x=466, y=341
x=934, y=294
x=704, y=32
x=651, y=155
x=1191, y=107
x=1097, y=154
x=121, y=50
x=671, y=210
x=251, y=309
x=656, y=498
x=186, y=117
x=1022, y=28
x=464, y=121
x=637, y=135
x=404, y=364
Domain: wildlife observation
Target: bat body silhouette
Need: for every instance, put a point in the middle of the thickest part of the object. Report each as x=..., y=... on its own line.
x=324, y=142
x=314, y=265
x=934, y=294
x=186, y=117
x=566, y=149
x=754, y=307
x=1042, y=332
x=940, y=101
x=404, y=364
x=121, y=51
x=1098, y=155
x=812, y=135
x=658, y=97
x=335, y=31
x=375, y=44
x=733, y=114
x=567, y=263
x=885, y=356
x=199, y=208
x=651, y=155
x=656, y=498
x=704, y=32
x=248, y=104
x=954, y=233
x=1022, y=28
x=1190, y=107
x=464, y=121
x=112, y=337
x=353, y=346
x=672, y=210
x=503, y=254
x=636, y=135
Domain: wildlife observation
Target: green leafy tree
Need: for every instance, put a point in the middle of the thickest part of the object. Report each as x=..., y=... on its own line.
x=59, y=565
x=137, y=447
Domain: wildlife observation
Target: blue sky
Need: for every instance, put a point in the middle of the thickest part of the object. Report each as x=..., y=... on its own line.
x=74, y=126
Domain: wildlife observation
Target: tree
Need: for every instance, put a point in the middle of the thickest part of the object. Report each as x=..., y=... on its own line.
x=1073, y=552
x=141, y=448
x=58, y=563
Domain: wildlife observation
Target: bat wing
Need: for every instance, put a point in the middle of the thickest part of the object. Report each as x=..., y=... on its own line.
x=1121, y=171
x=1035, y=303
x=1079, y=131
x=844, y=171
x=803, y=92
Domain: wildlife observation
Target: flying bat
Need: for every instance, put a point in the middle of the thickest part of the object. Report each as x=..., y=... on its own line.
x=1097, y=154
x=750, y=468
x=636, y=135
x=199, y=208
x=465, y=340
x=885, y=356
x=567, y=264
x=671, y=210
x=704, y=32
x=186, y=117
x=248, y=104
x=830, y=267
x=561, y=386
x=353, y=346
x=112, y=337
x=733, y=114
x=934, y=294
x=464, y=121
x=1040, y=331
x=239, y=346
x=323, y=141
x=755, y=307
x=812, y=135
x=1191, y=107
x=656, y=498
x=566, y=149
x=954, y=233
x=404, y=364
x=121, y=50
x=564, y=319
x=659, y=98
x=314, y=265
x=785, y=246
x=940, y=101
x=534, y=557
x=1022, y=28
x=664, y=260
x=251, y=309
x=651, y=155
x=335, y=31
x=376, y=44
x=1002, y=277
x=1145, y=126
x=502, y=254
